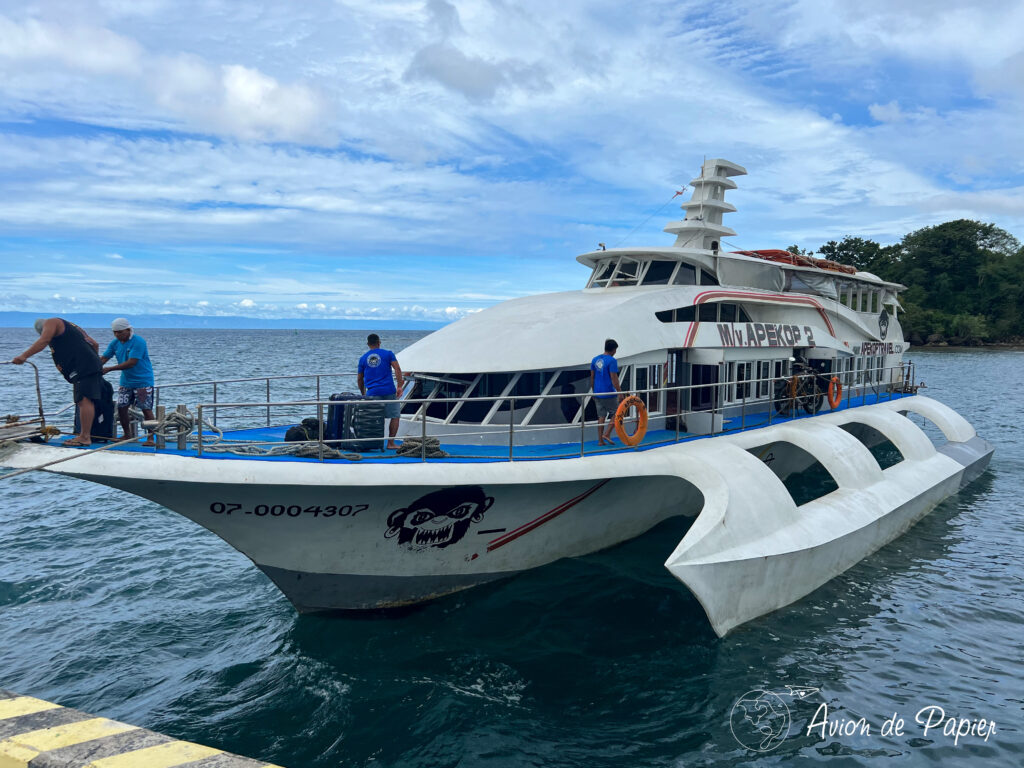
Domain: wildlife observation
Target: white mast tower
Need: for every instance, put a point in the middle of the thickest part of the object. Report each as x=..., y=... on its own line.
x=702, y=228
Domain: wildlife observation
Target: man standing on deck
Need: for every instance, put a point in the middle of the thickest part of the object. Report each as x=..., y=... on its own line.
x=375, y=381
x=136, y=374
x=604, y=383
x=76, y=355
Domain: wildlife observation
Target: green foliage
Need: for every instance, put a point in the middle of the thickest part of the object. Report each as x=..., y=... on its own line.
x=865, y=255
x=964, y=279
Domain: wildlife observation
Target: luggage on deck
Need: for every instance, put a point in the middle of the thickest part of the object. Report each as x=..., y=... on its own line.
x=359, y=424
x=308, y=430
x=103, y=421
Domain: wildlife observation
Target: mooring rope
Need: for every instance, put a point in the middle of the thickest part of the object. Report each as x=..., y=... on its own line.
x=301, y=450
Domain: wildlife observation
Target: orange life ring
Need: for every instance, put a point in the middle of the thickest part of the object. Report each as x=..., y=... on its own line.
x=641, y=427
x=835, y=392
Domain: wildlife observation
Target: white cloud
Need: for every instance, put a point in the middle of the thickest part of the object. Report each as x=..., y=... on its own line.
x=231, y=99
x=303, y=305
x=84, y=48
x=439, y=158
x=247, y=303
x=115, y=256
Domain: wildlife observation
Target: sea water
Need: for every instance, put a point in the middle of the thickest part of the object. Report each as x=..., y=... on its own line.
x=116, y=606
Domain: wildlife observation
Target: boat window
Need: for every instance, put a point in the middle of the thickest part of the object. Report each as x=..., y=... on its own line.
x=743, y=377
x=708, y=313
x=475, y=411
x=648, y=377
x=764, y=372
x=416, y=392
x=529, y=384
x=686, y=275
x=627, y=272
x=744, y=317
x=706, y=278
x=679, y=315
x=449, y=389
x=603, y=272
x=727, y=313
x=659, y=272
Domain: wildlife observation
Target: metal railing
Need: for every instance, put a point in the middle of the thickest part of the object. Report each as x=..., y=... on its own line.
x=215, y=384
x=698, y=410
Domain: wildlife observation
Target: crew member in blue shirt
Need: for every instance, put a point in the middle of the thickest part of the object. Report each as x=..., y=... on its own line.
x=375, y=382
x=604, y=383
x=136, y=373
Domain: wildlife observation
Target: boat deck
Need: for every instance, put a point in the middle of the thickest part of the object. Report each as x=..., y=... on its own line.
x=266, y=437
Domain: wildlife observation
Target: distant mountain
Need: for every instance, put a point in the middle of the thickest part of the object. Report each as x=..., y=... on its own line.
x=102, y=320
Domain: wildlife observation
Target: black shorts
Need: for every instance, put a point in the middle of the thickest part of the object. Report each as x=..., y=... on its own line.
x=87, y=386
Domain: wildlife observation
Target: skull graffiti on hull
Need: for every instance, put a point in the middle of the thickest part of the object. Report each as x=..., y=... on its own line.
x=440, y=518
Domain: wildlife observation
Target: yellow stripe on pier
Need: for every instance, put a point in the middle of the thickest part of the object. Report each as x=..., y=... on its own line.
x=163, y=756
x=22, y=705
x=66, y=738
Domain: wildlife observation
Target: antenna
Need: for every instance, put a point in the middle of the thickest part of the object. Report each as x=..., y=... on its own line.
x=703, y=189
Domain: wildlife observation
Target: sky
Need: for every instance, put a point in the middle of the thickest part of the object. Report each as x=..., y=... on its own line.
x=396, y=159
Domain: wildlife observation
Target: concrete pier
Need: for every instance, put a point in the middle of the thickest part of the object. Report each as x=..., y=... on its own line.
x=38, y=734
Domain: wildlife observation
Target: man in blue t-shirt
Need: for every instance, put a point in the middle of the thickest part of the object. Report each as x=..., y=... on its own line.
x=136, y=373
x=604, y=383
x=375, y=381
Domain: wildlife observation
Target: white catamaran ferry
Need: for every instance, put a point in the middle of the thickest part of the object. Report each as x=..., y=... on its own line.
x=741, y=370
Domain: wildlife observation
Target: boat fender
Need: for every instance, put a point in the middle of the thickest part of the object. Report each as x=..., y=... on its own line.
x=835, y=392
x=641, y=425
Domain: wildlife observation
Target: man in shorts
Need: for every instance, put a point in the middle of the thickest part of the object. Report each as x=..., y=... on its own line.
x=136, y=374
x=604, y=383
x=375, y=382
x=75, y=355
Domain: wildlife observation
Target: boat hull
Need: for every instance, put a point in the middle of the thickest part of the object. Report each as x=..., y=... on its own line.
x=369, y=535
x=351, y=546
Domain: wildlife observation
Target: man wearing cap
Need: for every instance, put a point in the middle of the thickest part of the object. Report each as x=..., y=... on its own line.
x=136, y=373
x=75, y=353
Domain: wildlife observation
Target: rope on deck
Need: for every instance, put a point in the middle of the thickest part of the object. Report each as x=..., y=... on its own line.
x=301, y=450
x=413, y=447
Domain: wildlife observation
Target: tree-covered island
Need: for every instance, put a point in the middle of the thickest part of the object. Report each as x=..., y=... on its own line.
x=964, y=281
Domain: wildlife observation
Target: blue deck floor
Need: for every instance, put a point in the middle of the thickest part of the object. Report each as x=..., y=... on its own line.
x=491, y=453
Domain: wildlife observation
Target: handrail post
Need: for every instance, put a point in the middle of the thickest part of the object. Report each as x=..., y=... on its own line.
x=199, y=425
x=268, y=401
x=714, y=405
x=743, y=410
x=318, y=390
x=423, y=435
x=215, y=403
x=679, y=400
x=511, y=427
x=583, y=426
x=320, y=424
x=182, y=436
x=161, y=441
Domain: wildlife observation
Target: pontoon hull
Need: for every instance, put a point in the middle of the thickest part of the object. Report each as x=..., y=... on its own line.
x=362, y=536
